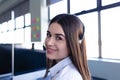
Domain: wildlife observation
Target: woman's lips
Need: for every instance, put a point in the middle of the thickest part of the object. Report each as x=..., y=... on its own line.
x=49, y=50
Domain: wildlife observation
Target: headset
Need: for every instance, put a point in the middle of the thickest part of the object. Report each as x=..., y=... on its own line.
x=82, y=35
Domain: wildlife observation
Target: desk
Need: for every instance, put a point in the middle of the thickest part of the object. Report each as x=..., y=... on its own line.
x=7, y=76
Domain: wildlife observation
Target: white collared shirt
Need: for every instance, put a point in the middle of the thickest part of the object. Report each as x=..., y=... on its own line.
x=65, y=70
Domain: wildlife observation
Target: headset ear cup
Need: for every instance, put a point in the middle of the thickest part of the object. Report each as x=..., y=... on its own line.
x=82, y=35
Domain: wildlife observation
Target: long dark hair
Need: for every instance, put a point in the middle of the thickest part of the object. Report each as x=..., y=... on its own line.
x=74, y=32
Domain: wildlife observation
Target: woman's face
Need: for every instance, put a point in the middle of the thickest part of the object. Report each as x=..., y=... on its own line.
x=56, y=47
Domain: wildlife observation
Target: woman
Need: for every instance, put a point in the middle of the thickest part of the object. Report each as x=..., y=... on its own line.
x=66, y=49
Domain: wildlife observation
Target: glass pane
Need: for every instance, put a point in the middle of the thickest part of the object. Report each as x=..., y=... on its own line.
x=11, y=25
x=6, y=37
x=4, y=27
x=0, y=37
x=3, y=37
x=107, y=2
x=10, y=37
x=39, y=46
x=20, y=22
x=27, y=19
x=57, y=8
x=91, y=33
x=19, y=36
x=0, y=28
x=110, y=27
x=80, y=5
x=28, y=34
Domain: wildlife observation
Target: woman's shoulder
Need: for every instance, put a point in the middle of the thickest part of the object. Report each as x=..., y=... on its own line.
x=71, y=73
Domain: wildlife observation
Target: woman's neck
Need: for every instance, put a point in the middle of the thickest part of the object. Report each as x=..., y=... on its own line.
x=58, y=60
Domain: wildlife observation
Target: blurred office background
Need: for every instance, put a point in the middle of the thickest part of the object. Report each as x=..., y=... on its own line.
x=23, y=25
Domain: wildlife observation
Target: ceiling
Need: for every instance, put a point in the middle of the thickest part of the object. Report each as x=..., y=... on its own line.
x=1, y=1
x=8, y=4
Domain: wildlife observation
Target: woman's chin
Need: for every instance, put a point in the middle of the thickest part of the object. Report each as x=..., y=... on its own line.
x=51, y=57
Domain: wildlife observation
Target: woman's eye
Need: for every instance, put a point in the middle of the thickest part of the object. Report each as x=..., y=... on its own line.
x=58, y=38
x=48, y=35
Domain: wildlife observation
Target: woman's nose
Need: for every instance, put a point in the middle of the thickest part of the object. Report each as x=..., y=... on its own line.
x=50, y=41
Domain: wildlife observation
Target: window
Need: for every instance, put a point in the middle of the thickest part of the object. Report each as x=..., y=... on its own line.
x=4, y=27
x=19, y=36
x=91, y=33
x=110, y=26
x=27, y=19
x=27, y=34
x=20, y=22
x=80, y=5
x=38, y=46
x=0, y=28
x=11, y=25
x=57, y=8
x=4, y=38
x=10, y=37
x=107, y=2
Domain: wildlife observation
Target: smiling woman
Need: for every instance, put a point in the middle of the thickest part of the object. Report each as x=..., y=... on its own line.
x=56, y=42
x=66, y=50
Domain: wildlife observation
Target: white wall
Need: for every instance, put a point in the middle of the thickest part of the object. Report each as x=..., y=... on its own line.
x=106, y=69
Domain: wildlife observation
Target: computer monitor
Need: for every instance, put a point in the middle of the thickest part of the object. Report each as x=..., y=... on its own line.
x=5, y=60
x=28, y=60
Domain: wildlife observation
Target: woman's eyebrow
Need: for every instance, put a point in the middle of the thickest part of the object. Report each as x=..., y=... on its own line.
x=57, y=34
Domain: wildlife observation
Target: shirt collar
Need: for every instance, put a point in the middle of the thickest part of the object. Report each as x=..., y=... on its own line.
x=59, y=66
